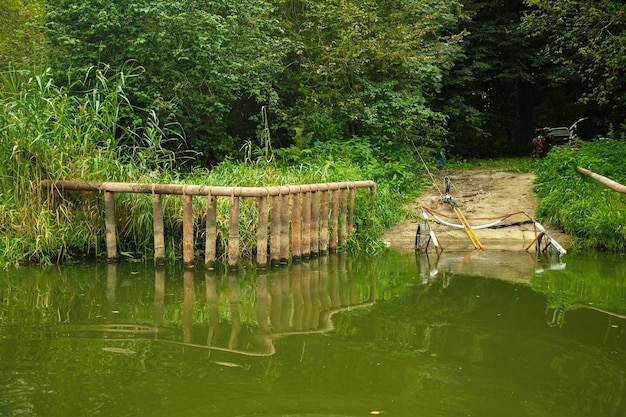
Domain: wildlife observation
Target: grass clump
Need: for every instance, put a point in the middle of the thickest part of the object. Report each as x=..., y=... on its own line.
x=592, y=213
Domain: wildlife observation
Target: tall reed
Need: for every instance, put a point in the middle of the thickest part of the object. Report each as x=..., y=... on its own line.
x=48, y=132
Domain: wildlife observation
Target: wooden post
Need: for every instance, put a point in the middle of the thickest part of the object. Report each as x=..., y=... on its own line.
x=210, y=249
x=296, y=226
x=261, y=242
x=351, y=211
x=275, y=231
x=187, y=230
x=233, y=232
x=613, y=185
x=343, y=230
x=157, y=225
x=306, y=223
x=284, y=228
x=315, y=225
x=109, y=218
x=334, y=221
x=324, y=222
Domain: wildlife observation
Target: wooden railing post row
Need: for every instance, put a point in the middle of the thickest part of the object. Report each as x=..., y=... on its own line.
x=309, y=217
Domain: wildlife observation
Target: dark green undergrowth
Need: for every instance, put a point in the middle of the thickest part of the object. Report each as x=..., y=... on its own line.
x=592, y=213
x=50, y=133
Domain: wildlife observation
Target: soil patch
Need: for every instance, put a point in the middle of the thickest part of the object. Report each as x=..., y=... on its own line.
x=481, y=194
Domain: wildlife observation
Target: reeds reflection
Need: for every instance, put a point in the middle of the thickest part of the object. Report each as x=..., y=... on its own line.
x=242, y=311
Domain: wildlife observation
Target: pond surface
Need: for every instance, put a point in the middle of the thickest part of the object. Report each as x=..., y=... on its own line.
x=487, y=334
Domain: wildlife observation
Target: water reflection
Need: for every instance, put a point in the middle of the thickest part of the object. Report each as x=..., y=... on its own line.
x=582, y=282
x=299, y=299
x=128, y=339
x=512, y=266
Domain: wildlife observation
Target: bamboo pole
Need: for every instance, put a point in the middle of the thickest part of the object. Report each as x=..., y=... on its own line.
x=210, y=245
x=187, y=230
x=315, y=226
x=261, y=244
x=109, y=218
x=157, y=225
x=306, y=222
x=190, y=189
x=284, y=228
x=296, y=226
x=275, y=231
x=614, y=185
x=334, y=221
x=233, y=232
x=343, y=229
x=351, y=210
x=324, y=222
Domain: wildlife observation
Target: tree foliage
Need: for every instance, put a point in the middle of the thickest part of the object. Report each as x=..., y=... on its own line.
x=585, y=39
x=200, y=59
x=18, y=32
x=368, y=69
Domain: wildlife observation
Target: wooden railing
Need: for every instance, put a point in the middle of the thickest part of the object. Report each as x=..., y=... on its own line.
x=300, y=223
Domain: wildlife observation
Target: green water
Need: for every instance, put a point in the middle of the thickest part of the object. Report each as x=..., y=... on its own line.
x=489, y=334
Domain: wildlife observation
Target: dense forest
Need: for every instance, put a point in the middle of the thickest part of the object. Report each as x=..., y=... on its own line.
x=473, y=79
x=321, y=90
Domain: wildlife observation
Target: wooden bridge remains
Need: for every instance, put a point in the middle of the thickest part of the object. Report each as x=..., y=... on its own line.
x=303, y=220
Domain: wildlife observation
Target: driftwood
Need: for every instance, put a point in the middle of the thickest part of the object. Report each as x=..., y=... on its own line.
x=604, y=180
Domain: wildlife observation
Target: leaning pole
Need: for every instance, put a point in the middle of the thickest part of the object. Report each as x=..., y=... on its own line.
x=604, y=180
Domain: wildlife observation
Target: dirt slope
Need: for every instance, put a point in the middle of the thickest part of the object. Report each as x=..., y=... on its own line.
x=480, y=193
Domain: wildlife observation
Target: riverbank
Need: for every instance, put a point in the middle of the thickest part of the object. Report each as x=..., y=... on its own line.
x=481, y=194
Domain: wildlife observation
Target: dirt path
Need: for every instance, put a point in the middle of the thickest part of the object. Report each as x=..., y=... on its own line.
x=480, y=193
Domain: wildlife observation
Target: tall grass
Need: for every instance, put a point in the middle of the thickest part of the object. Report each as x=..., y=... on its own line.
x=90, y=131
x=592, y=213
x=48, y=132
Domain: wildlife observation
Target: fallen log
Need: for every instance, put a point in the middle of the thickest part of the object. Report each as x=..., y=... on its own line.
x=604, y=180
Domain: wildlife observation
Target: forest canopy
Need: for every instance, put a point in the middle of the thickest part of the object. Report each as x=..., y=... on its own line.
x=471, y=79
